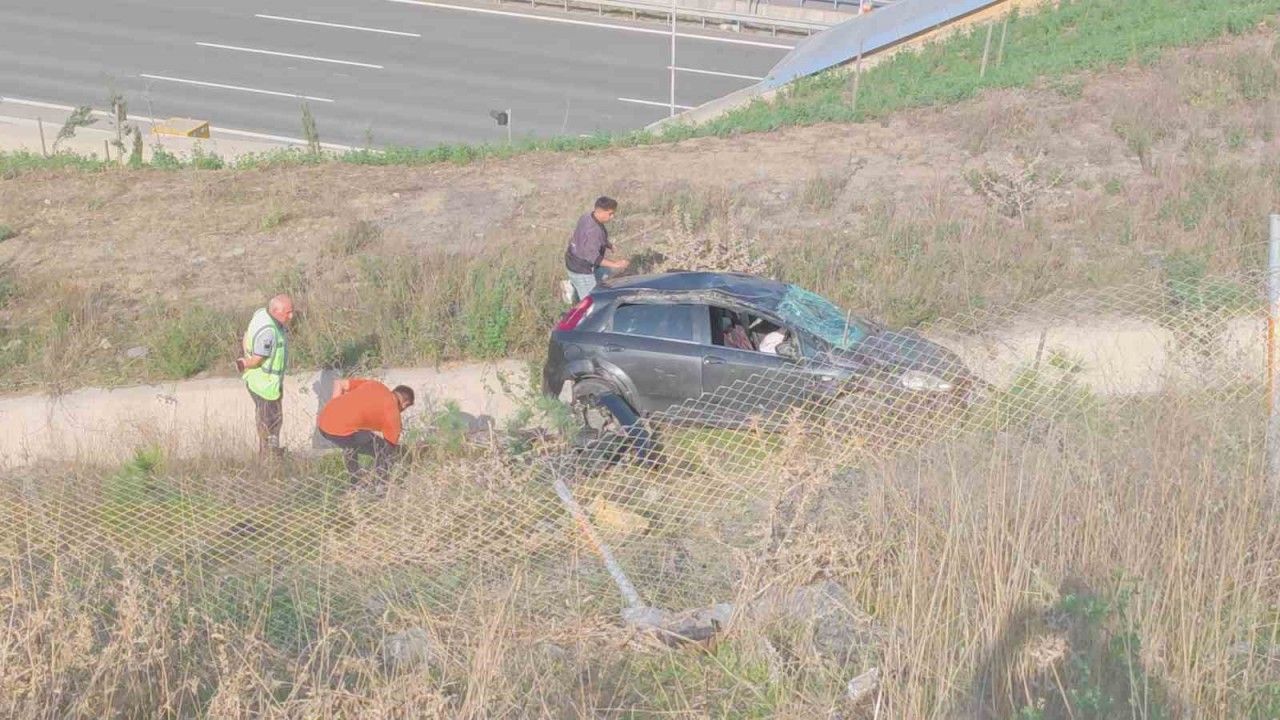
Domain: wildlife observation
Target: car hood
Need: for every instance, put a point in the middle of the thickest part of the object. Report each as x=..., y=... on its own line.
x=897, y=351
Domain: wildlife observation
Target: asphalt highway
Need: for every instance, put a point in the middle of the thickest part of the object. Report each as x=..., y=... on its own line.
x=380, y=72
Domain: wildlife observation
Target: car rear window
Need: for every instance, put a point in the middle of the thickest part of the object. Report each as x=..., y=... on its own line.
x=671, y=322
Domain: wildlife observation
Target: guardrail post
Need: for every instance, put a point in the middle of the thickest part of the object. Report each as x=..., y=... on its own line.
x=1273, y=382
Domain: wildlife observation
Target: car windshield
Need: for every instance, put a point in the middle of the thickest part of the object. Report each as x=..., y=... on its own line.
x=819, y=316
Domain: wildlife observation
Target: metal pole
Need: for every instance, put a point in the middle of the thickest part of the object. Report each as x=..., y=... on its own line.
x=1273, y=382
x=673, y=58
x=106, y=149
x=508, y=127
x=43, y=150
x=629, y=592
x=857, y=78
x=1004, y=32
x=986, y=50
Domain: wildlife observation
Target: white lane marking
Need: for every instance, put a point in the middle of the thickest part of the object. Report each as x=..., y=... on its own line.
x=715, y=72
x=337, y=25
x=278, y=138
x=607, y=26
x=655, y=103
x=241, y=88
x=151, y=121
x=288, y=55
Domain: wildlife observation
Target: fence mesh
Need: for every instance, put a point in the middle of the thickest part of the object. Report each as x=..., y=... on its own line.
x=692, y=501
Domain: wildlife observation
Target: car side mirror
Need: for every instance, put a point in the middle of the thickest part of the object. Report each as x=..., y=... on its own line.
x=788, y=350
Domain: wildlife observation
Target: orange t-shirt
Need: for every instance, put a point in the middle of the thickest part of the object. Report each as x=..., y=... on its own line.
x=366, y=405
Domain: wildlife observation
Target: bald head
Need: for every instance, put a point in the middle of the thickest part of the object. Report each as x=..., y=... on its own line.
x=281, y=308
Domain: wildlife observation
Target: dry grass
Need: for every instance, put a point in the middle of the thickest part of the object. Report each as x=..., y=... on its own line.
x=1068, y=570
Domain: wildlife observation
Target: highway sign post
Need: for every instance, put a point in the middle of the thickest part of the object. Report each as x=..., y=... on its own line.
x=673, y=58
x=503, y=117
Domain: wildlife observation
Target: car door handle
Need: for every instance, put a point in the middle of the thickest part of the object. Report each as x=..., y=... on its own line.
x=712, y=360
x=612, y=348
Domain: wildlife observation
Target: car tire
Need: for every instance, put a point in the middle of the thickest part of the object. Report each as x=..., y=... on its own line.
x=586, y=404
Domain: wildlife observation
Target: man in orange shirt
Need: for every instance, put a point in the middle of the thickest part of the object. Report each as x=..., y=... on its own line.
x=363, y=418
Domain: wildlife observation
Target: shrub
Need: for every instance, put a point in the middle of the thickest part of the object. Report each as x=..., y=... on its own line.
x=190, y=341
x=354, y=238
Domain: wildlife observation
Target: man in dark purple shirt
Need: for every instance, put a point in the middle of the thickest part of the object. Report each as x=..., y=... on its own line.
x=588, y=246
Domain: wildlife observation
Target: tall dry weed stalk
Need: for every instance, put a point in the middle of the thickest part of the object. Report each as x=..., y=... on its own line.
x=722, y=246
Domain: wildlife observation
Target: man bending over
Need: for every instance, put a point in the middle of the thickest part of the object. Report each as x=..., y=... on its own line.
x=363, y=418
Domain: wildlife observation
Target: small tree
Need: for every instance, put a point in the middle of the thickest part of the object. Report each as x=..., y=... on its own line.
x=80, y=117
x=722, y=247
x=309, y=131
x=1018, y=186
x=119, y=114
x=135, y=156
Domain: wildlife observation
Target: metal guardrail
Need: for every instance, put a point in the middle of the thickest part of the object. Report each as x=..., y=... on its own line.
x=868, y=34
x=740, y=21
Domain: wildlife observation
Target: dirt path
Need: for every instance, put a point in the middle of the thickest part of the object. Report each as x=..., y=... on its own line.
x=215, y=416
x=1109, y=356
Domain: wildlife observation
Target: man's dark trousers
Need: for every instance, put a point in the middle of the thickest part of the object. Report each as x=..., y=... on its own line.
x=363, y=442
x=269, y=418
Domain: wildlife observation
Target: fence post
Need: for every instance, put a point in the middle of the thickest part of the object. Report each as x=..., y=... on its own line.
x=857, y=79
x=986, y=50
x=1273, y=357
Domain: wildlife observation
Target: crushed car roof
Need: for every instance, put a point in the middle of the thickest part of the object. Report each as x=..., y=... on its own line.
x=758, y=291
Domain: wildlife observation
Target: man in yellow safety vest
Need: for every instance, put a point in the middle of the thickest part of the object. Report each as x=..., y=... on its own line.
x=266, y=357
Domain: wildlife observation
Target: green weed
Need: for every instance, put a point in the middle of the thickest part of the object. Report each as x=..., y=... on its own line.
x=8, y=283
x=273, y=219
x=202, y=160
x=821, y=191
x=1191, y=289
x=1237, y=137
x=353, y=239
x=487, y=312
x=190, y=341
x=162, y=159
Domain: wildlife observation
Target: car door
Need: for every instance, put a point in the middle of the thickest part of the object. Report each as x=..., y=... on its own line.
x=738, y=384
x=655, y=346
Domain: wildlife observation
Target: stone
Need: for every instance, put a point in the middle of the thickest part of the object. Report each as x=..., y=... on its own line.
x=407, y=650
x=617, y=519
x=675, y=628
x=841, y=630
x=137, y=352
x=863, y=686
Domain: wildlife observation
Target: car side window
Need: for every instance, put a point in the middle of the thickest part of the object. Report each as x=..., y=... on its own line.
x=670, y=322
x=744, y=330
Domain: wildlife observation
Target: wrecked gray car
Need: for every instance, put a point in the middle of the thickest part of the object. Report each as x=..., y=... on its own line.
x=727, y=348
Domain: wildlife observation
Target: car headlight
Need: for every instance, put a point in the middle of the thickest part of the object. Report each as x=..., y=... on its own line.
x=920, y=381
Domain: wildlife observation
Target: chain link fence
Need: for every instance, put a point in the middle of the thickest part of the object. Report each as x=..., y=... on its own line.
x=692, y=503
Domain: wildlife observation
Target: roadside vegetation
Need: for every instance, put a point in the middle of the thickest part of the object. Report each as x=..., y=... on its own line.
x=993, y=575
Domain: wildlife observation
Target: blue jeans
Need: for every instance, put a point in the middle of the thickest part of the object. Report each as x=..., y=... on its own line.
x=583, y=284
